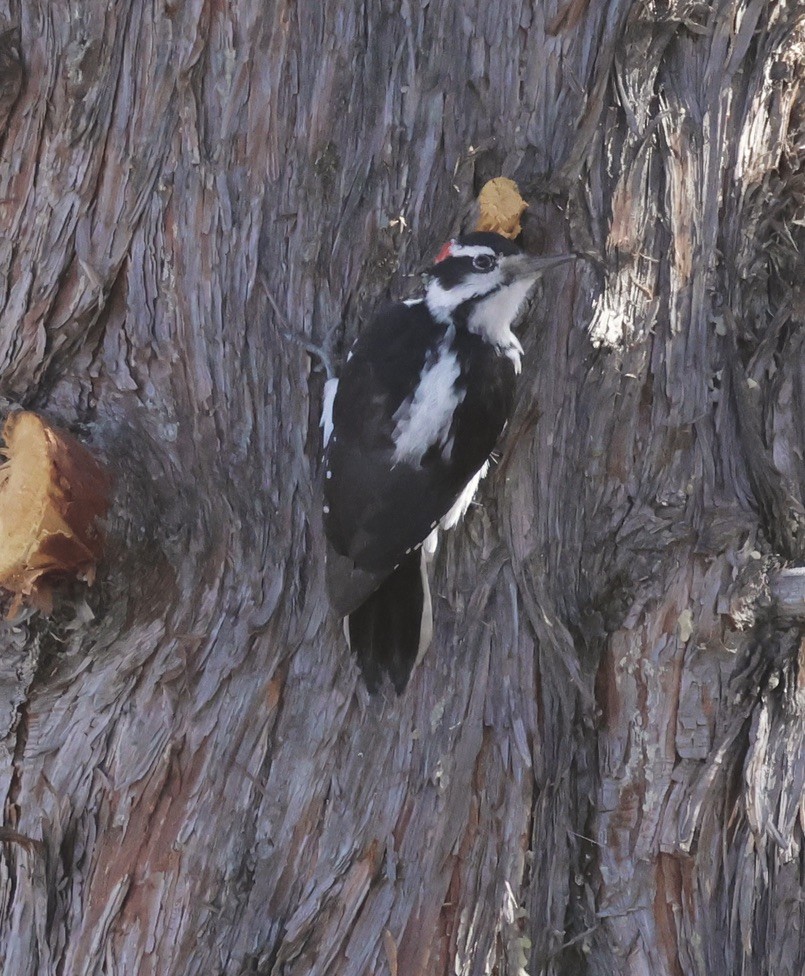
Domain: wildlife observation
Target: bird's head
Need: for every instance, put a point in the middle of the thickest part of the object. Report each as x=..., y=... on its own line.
x=481, y=265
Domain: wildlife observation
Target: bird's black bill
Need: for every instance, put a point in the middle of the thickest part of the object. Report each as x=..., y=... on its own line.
x=533, y=265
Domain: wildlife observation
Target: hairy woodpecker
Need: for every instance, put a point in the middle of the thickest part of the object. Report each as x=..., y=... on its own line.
x=425, y=393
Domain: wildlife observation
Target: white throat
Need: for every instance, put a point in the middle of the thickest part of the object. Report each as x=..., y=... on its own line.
x=492, y=318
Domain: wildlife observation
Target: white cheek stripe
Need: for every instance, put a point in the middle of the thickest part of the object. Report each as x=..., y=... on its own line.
x=442, y=302
x=424, y=419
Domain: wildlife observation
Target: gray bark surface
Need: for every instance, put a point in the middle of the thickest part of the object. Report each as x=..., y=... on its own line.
x=598, y=768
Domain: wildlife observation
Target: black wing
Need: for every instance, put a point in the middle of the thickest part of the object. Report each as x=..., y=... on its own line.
x=378, y=507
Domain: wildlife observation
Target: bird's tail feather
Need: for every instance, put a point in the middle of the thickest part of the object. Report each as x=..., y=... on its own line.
x=393, y=627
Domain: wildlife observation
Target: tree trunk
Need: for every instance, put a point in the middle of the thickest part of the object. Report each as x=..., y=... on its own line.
x=598, y=767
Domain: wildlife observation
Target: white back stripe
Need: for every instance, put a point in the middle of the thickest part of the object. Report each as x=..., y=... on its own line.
x=424, y=419
x=326, y=422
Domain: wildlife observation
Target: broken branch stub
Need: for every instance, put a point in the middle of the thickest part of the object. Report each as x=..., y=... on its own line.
x=788, y=593
x=52, y=495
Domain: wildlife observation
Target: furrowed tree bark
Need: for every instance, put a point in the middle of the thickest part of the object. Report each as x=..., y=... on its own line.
x=598, y=768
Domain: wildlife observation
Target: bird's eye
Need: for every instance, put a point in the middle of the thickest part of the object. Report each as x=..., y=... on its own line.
x=483, y=262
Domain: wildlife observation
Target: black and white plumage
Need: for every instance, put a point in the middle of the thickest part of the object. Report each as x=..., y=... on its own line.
x=422, y=400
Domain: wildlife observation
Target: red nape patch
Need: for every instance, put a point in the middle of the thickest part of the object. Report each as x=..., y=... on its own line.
x=444, y=252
